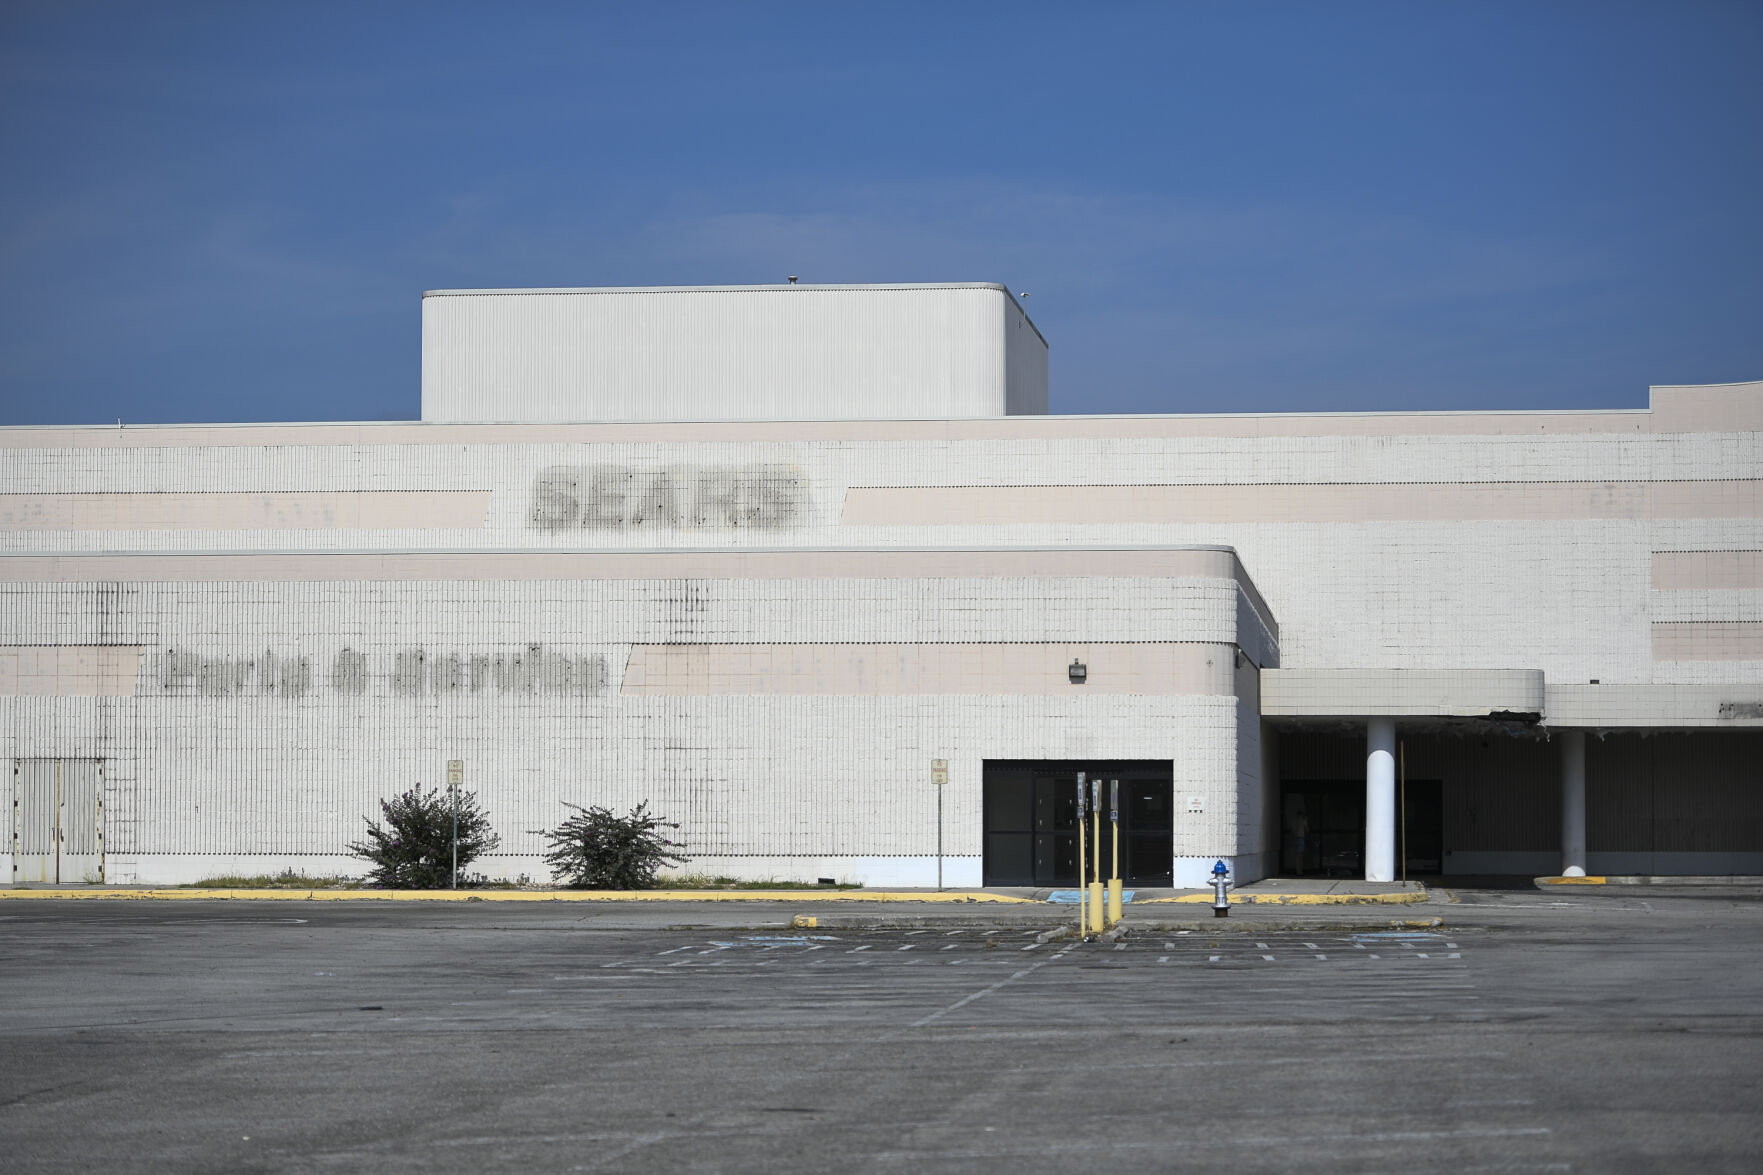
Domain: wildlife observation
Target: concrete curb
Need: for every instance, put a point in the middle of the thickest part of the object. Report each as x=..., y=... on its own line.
x=1296, y=921
x=493, y=895
x=1717, y=881
x=1299, y=899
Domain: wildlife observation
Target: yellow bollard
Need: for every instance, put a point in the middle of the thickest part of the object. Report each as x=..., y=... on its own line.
x=1097, y=914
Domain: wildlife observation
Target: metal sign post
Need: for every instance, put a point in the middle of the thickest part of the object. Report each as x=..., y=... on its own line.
x=1098, y=917
x=1083, y=905
x=1402, y=761
x=1114, y=892
x=455, y=778
x=939, y=776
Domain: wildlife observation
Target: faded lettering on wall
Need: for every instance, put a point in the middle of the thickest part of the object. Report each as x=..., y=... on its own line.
x=528, y=669
x=531, y=670
x=682, y=497
x=184, y=672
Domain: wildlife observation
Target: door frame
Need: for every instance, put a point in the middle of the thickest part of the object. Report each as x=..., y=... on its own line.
x=1056, y=841
x=59, y=832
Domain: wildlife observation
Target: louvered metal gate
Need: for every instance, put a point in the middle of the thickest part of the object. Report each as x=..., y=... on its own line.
x=58, y=821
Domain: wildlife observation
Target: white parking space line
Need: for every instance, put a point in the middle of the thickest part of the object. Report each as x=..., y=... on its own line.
x=1281, y=959
x=981, y=994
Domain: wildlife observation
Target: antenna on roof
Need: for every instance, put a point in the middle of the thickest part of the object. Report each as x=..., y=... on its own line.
x=792, y=279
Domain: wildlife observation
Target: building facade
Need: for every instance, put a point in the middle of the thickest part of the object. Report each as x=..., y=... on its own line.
x=1360, y=644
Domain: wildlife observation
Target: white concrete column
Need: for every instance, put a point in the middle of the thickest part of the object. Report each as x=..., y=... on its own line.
x=1380, y=800
x=1572, y=803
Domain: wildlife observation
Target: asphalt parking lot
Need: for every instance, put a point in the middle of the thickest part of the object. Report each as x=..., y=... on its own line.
x=1524, y=1032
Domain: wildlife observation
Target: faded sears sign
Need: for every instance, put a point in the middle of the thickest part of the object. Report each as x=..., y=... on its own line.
x=688, y=497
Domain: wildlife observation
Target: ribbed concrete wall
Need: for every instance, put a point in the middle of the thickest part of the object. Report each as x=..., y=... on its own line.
x=1573, y=596
x=1647, y=534
x=268, y=716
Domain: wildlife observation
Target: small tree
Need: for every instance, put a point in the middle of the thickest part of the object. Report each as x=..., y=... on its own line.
x=595, y=849
x=414, y=850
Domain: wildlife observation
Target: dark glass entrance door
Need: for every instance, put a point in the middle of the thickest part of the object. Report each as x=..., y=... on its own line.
x=1322, y=828
x=1031, y=820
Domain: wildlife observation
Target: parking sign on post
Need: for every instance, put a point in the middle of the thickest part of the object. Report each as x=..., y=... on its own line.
x=939, y=775
x=455, y=780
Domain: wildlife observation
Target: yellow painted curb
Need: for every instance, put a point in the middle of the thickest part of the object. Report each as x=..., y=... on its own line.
x=1570, y=880
x=1299, y=899
x=467, y=895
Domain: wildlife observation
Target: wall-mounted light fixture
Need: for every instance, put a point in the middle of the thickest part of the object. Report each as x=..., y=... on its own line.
x=1079, y=674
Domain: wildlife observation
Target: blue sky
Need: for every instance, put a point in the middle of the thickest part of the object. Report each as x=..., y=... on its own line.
x=228, y=211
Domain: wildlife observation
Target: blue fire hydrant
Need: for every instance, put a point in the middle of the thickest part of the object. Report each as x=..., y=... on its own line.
x=1220, y=902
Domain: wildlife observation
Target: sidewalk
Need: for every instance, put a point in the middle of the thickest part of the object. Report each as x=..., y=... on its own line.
x=1304, y=891
x=1684, y=881
x=1286, y=892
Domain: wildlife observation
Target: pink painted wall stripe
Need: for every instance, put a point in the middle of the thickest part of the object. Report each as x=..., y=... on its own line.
x=1708, y=640
x=1097, y=505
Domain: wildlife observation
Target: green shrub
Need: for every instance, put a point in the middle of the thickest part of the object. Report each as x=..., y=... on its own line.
x=595, y=849
x=414, y=849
